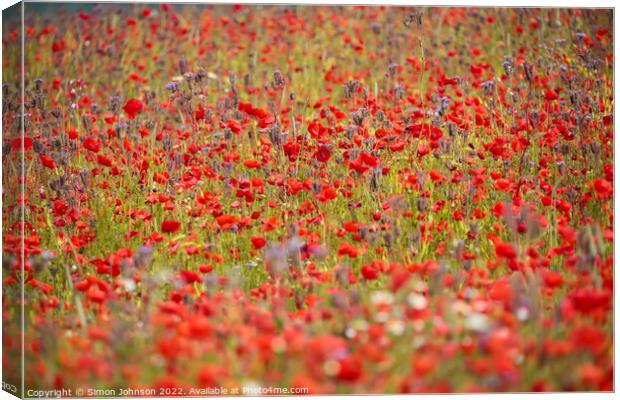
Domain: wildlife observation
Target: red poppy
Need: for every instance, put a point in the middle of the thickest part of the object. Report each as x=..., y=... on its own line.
x=350, y=369
x=48, y=162
x=133, y=107
x=551, y=95
x=505, y=250
x=369, y=272
x=502, y=184
x=205, y=268
x=322, y=154
x=603, y=188
x=553, y=279
x=92, y=144
x=258, y=242
x=103, y=160
x=170, y=226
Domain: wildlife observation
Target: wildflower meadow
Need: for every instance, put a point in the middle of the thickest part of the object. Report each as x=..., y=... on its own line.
x=210, y=199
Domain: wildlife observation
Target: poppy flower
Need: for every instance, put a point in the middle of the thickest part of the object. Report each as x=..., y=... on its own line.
x=551, y=94
x=133, y=107
x=502, y=184
x=424, y=364
x=505, y=250
x=369, y=272
x=48, y=162
x=199, y=327
x=92, y=144
x=349, y=369
x=322, y=154
x=190, y=276
x=226, y=221
x=103, y=160
x=95, y=294
x=603, y=188
x=258, y=242
x=205, y=268
x=553, y=279
x=170, y=226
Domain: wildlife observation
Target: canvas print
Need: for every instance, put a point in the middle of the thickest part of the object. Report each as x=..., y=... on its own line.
x=244, y=199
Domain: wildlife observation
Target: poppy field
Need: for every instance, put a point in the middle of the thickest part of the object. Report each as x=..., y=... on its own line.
x=236, y=199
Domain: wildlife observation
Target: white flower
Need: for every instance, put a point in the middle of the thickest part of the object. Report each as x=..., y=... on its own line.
x=417, y=301
x=478, y=323
x=396, y=327
x=523, y=313
x=382, y=297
